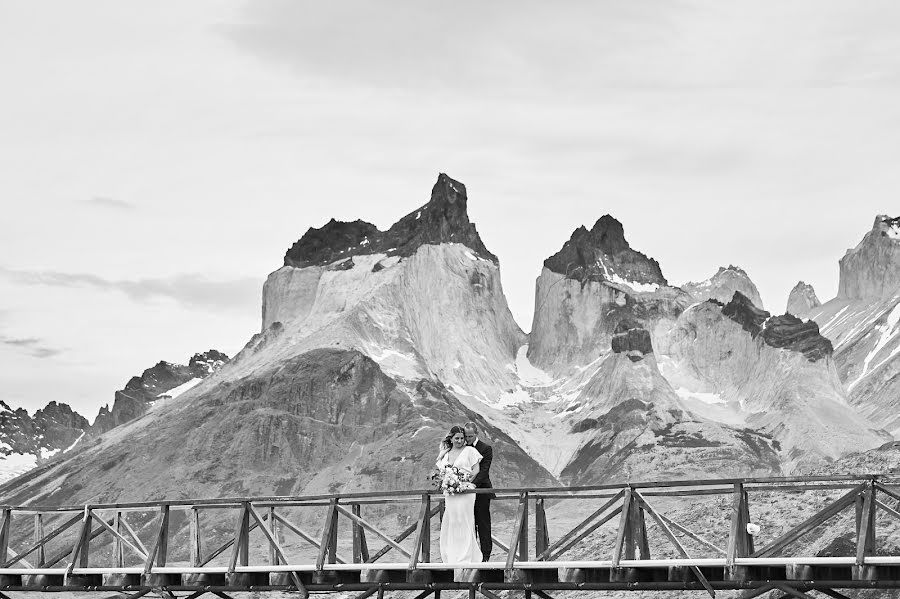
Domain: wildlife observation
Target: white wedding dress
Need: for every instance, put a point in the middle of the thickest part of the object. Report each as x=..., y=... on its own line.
x=458, y=542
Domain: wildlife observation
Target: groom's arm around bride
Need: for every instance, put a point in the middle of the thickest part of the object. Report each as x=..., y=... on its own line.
x=482, y=480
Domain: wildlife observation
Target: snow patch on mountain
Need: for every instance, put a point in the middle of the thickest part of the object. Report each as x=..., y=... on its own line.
x=886, y=332
x=529, y=374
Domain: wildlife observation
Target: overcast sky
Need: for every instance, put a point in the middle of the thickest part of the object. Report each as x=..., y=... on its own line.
x=158, y=158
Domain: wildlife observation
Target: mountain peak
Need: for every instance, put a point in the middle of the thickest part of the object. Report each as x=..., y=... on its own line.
x=722, y=286
x=603, y=254
x=444, y=219
x=802, y=300
x=871, y=270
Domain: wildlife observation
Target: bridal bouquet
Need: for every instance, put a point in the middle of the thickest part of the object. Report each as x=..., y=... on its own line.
x=451, y=480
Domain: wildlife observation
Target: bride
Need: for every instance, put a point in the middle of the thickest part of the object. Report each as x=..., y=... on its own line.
x=458, y=543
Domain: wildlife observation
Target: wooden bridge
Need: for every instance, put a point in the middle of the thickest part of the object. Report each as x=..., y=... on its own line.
x=753, y=535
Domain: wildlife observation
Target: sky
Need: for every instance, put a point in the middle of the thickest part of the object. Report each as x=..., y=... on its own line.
x=160, y=157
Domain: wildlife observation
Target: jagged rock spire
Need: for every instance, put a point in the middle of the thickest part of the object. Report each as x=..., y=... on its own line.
x=871, y=270
x=802, y=300
x=602, y=253
x=444, y=219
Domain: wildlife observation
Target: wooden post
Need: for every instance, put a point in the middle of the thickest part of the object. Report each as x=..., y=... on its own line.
x=640, y=532
x=740, y=543
x=196, y=547
x=360, y=548
x=865, y=533
x=240, y=533
x=274, y=559
x=159, y=549
x=329, y=535
x=523, y=529
x=623, y=528
x=162, y=554
x=426, y=532
x=4, y=535
x=541, y=535
x=39, y=537
x=422, y=546
x=85, y=543
x=118, y=547
x=244, y=540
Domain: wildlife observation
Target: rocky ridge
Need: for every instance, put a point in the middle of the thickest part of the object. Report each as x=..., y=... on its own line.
x=160, y=382
x=26, y=441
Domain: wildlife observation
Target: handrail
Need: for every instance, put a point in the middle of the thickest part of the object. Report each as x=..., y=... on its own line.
x=513, y=492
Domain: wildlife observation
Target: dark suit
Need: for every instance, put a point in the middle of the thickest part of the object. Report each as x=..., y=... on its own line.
x=482, y=480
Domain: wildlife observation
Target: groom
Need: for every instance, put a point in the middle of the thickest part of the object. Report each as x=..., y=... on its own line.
x=482, y=480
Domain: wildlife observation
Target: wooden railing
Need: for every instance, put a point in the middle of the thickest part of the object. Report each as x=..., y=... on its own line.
x=635, y=536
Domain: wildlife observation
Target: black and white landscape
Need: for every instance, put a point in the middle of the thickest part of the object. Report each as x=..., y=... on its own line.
x=372, y=343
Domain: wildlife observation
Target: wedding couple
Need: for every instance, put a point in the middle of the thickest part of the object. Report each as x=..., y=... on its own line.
x=467, y=514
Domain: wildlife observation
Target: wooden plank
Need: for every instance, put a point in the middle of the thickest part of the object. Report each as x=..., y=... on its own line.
x=243, y=542
x=866, y=530
x=159, y=548
x=15, y=557
x=499, y=543
x=195, y=549
x=384, y=536
x=273, y=542
x=118, y=548
x=541, y=534
x=414, y=494
x=757, y=592
x=131, y=532
x=61, y=555
x=424, y=525
x=692, y=535
x=887, y=491
x=566, y=537
x=224, y=547
x=736, y=548
x=303, y=535
x=623, y=527
x=273, y=530
x=39, y=538
x=888, y=509
x=119, y=538
x=643, y=543
x=241, y=533
x=523, y=531
x=4, y=535
x=586, y=532
x=521, y=514
x=810, y=523
x=359, y=537
x=330, y=522
x=80, y=541
x=792, y=592
x=678, y=546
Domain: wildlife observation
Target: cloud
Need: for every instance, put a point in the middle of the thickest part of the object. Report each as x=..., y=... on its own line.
x=103, y=202
x=31, y=345
x=192, y=290
x=579, y=47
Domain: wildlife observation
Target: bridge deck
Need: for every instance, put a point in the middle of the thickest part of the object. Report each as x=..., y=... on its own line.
x=625, y=540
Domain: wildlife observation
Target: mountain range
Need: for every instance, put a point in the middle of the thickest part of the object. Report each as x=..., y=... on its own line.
x=373, y=343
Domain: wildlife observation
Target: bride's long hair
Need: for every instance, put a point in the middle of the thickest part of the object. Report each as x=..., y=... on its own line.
x=446, y=444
